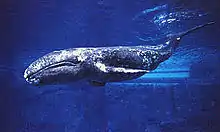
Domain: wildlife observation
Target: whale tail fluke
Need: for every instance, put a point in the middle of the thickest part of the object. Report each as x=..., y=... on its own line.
x=194, y=29
x=174, y=39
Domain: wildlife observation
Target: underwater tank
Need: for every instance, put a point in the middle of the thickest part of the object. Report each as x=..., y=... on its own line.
x=180, y=95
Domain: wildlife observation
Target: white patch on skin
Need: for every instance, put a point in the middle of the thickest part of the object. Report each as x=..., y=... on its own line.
x=61, y=56
x=81, y=58
x=26, y=73
x=101, y=66
x=99, y=55
x=106, y=69
x=32, y=81
x=125, y=70
x=67, y=54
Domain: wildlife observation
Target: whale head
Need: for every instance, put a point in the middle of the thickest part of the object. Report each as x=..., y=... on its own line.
x=57, y=67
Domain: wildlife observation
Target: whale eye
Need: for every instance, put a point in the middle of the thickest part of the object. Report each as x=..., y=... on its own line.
x=76, y=60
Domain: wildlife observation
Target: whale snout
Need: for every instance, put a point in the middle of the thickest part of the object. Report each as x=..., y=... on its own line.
x=32, y=72
x=29, y=79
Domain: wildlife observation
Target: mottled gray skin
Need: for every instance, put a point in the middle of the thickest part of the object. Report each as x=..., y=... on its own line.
x=101, y=64
x=70, y=68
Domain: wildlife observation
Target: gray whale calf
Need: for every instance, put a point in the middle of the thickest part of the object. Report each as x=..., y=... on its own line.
x=100, y=65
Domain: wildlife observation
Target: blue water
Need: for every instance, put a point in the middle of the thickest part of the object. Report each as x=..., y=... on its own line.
x=181, y=95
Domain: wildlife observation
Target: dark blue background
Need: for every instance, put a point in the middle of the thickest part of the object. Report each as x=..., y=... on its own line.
x=30, y=29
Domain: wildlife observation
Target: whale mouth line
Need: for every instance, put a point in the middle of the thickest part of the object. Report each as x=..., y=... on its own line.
x=31, y=76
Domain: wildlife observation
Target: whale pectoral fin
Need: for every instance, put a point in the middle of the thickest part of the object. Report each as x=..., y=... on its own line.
x=127, y=70
x=97, y=83
x=102, y=67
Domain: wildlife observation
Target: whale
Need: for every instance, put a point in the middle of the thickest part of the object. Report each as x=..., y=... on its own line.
x=100, y=65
